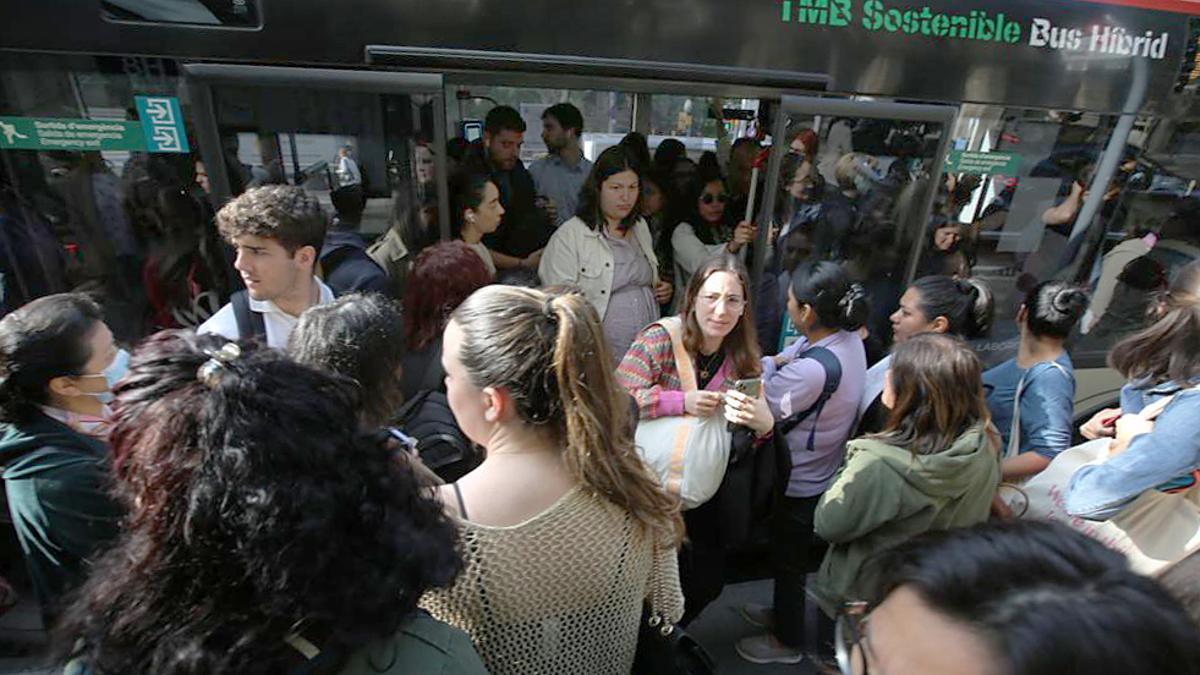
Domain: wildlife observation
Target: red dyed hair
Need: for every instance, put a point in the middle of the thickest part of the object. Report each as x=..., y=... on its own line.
x=444, y=275
x=807, y=138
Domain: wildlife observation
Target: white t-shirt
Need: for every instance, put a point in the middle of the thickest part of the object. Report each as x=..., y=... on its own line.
x=279, y=324
x=348, y=173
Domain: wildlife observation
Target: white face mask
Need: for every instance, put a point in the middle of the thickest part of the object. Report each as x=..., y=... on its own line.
x=112, y=374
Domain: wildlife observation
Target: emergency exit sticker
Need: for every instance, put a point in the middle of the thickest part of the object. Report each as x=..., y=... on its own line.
x=159, y=128
x=162, y=123
x=51, y=133
x=999, y=163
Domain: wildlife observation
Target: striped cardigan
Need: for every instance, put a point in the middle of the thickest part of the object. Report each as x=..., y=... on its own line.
x=650, y=374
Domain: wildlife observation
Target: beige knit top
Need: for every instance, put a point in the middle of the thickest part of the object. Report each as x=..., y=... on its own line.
x=561, y=592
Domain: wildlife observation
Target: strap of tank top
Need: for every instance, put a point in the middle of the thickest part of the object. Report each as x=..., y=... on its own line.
x=462, y=506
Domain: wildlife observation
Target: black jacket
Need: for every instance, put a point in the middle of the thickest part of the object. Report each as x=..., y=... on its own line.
x=346, y=266
x=524, y=228
x=57, y=484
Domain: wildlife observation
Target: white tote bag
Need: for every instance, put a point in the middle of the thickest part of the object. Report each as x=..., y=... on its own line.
x=688, y=454
x=1153, y=531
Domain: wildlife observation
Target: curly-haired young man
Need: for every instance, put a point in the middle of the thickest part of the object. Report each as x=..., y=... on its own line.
x=278, y=231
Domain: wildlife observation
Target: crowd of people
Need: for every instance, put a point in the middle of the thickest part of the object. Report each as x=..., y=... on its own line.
x=462, y=478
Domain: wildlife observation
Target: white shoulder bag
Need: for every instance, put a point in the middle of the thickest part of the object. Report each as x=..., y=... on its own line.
x=688, y=454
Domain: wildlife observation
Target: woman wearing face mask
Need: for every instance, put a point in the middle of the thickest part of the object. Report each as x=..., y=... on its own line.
x=58, y=362
x=607, y=252
x=708, y=230
x=936, y=304
x=719, y=336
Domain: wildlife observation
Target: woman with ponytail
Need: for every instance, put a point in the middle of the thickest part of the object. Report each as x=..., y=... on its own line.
x=828, y=309
x=1161, y=362
x=565, y=532
x=934, y=304
x=1032, y=395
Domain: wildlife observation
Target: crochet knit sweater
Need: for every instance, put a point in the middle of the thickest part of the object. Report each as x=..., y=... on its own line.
x=561, y=592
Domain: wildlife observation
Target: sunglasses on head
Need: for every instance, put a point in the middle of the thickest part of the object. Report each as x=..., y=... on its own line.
x=709, y=198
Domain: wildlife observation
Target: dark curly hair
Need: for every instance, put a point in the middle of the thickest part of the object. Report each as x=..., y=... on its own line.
x=360, y=336
x=285, y=213
x=45, y=339
x=256, y=510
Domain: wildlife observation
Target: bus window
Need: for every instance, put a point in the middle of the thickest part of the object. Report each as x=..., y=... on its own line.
x=366, y=148
x=607, y=115
x=88, y=206
x=855, y=190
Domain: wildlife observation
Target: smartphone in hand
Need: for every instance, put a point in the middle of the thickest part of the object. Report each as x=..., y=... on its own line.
x=751, y=387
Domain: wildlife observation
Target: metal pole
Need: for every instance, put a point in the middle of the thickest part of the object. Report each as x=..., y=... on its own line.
x=1110, y=161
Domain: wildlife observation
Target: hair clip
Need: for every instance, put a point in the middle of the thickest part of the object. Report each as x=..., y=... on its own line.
x=209, y=372
x=548, y=309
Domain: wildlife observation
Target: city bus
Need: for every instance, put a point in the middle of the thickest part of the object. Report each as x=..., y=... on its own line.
x=110, y=108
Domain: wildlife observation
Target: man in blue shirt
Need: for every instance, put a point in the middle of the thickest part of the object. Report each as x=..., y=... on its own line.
x=559, y=176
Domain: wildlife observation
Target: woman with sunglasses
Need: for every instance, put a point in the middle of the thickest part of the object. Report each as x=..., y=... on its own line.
x=1019, y=598
x=935, y=466
x=709, y=228
x=607, y=252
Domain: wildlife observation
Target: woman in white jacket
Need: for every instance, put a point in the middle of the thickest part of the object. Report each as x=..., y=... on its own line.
x=607, y=252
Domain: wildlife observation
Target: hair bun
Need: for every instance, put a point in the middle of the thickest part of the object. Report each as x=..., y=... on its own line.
x=853, y=294
x=1069, y=299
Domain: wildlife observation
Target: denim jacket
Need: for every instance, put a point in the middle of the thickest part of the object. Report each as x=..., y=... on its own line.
x=1100, y=491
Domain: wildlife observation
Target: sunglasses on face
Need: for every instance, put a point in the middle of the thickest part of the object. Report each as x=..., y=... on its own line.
x=709, y=198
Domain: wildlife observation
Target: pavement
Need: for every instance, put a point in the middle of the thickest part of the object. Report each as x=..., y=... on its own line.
x=23, y=640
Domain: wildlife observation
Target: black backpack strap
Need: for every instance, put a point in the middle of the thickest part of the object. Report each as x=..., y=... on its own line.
x=411, y=405
x=249, y=322
x=833, y=379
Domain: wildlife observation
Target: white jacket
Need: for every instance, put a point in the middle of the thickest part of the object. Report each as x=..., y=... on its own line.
x=580, y=256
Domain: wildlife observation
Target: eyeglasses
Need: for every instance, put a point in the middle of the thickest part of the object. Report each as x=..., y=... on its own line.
x=734, y=302
x=709, y=198
x=850, y=638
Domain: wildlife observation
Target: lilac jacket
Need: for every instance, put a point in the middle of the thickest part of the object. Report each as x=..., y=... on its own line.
x=795, y=387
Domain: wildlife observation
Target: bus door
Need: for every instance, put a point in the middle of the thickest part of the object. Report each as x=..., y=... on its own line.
x=367, y=144
x=856, y=182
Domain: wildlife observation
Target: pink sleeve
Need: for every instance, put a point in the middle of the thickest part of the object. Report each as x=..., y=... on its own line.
x=670, y=403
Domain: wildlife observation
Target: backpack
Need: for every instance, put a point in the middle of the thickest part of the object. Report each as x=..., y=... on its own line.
x=441, y=445
x=833, y=378
x=250, y=323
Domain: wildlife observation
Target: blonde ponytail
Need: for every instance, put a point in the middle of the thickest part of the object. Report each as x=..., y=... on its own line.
x=599, y=431
x=549, y=352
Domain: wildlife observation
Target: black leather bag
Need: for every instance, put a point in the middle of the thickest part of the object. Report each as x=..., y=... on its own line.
x=664, y=648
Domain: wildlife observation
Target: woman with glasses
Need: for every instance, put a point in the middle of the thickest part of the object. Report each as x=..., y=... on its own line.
x=708, y=228
x=719, y=337
x=935, y=466
x=1018, y=598
x=828, y=309
x=59, y=364
x=607, y=252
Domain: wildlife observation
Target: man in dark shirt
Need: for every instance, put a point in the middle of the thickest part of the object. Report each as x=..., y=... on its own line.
x=524, y=230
